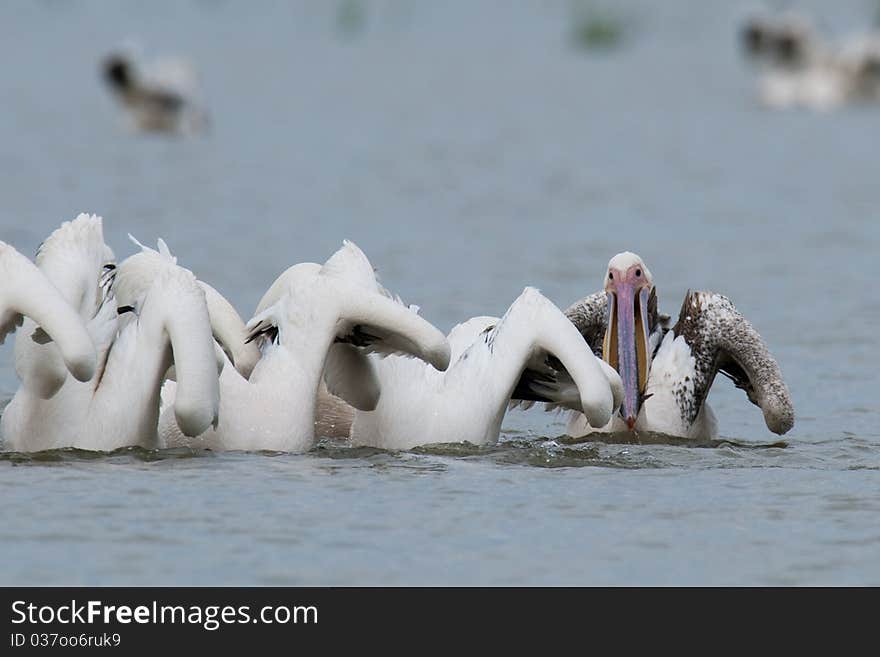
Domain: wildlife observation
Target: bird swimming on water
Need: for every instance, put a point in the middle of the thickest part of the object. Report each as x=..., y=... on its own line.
x=155, y=105
x=667, y=369
x=799, y=68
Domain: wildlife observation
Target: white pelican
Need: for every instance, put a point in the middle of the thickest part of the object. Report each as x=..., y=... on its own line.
x=313, y=321
x=798, y=67
x=25, y=292
x=333, y=415
x=119, y=406
x=667, y=371
x=532, y=353
x=158, y=103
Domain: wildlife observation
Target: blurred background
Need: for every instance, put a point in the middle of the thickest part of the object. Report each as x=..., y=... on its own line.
x=473, y=148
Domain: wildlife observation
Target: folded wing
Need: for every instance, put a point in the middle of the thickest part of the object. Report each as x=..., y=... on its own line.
x=722, y=340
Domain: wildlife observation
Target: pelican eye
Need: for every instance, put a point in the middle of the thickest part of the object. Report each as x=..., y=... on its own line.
x=610, y=276
x=638, y=272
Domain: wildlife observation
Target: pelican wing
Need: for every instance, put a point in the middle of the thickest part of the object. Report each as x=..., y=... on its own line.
x=75, y=258
x=175, y=305
x=373, y=321
x=79, y=265
x=139, y=272
x=545, y=379
x=349, y=374
x=230, y=332
x=721, y=339
x=378, y=324
x=589, y=315
x=559, y=368
x=28, y=293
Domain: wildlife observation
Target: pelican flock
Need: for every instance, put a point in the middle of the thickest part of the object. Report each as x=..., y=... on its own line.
x=134, y=345
x=314, y=321
x=142, y=353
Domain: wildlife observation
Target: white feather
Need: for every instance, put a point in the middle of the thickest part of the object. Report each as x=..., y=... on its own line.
x=420, y=405
x=312, y=307
x=119, y=405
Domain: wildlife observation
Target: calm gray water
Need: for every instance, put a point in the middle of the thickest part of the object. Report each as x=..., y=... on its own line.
x=470, y=149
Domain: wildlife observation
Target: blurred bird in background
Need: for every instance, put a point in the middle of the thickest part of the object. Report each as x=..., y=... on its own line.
x=161, y=97
x=800, y=68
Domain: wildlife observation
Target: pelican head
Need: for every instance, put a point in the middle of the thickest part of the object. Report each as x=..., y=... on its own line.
x=791, y=43
x=756, y=35
x=787, y=40
x=118, y=73
x=628, y=285
x=794, y=43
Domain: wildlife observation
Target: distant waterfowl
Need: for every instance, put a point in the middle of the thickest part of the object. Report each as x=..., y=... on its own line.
x=667, y=370
x=166, y=324
x=28, y=297
x=799, y=69
x=787, y=40
x=154, y=105
x=314, y=321
x=533, y=353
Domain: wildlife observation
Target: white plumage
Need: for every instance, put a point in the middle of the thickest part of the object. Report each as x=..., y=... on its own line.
x=420, y=406
x=119, y=405
x=28, y=298
x=314, y=321
x=672, y=376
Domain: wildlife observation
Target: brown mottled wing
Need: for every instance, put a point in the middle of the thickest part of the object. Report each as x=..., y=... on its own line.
x=590, y=316
x=721, y=339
